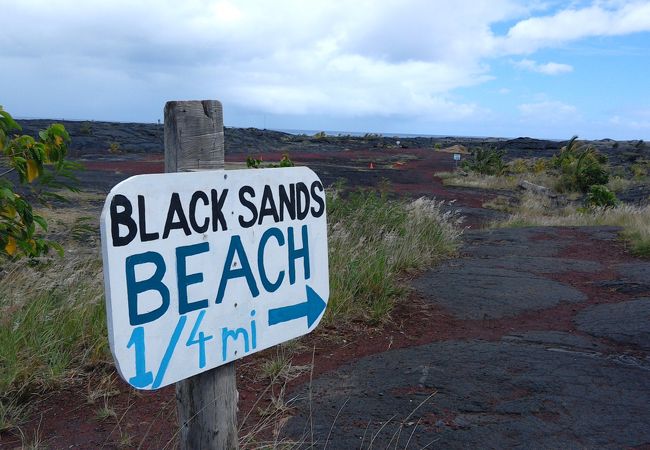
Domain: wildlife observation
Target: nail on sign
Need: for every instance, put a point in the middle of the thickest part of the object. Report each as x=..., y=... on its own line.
x=202, y=268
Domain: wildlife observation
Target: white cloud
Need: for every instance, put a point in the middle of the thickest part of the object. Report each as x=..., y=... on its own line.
x=550, y=68
x=548, y=110
x=599, y=19
x=634, y=120
x=344, y=58
x=351, y=59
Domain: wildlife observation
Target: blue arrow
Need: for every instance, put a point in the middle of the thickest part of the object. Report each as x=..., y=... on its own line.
x=312, y=309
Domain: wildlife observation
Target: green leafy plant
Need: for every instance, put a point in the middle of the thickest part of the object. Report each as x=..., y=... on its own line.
x=39, y=165
x=486, y=161
x=590, y=169
x=600, y=196
x=286, y=161
x=567, y=154
x=254, y=163
x=580, y=167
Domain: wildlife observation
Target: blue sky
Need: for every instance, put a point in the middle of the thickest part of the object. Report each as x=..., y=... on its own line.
x=510, y=68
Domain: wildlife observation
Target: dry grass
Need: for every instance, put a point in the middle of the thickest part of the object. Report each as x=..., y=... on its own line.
x=506, y=182
x=619, y=184
x=52, y=313
x=373, y=239
x=538, y=210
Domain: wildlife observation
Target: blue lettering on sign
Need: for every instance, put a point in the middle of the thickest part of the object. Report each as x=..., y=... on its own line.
x=133, y=287
x=234, y=334
x=268, y=285
x=244, y=271
x=201, y=339
x=237, y=265
x=143, y=377
x=184, y=280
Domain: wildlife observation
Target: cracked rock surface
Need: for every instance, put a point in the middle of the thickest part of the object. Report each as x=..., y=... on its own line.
x=579, y=377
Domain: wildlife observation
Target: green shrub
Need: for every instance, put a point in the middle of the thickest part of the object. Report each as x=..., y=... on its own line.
x=590, y=170
x=254, y=163
x=600, y=196
x=580, y=167
x=519, y=166
x=286, y=161
x=486, y=161
x=40, y=165
x=567, y=154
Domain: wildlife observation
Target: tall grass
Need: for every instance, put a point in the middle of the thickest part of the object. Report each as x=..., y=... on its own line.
x=537, y=210
x=53, y=322
x=372, y=240
x=52, y=315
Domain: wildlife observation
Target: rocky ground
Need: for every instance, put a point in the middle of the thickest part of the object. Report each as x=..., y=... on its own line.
x=555, y=353
x=97, y=138
x=533, y=337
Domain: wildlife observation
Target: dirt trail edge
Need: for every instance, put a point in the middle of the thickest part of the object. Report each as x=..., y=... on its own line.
x=554, y=353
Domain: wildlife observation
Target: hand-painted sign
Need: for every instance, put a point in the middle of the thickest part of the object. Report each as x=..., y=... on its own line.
x=202, y=268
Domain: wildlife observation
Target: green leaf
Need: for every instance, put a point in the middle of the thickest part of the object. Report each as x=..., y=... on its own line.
x=41, y=221
x=56, y=246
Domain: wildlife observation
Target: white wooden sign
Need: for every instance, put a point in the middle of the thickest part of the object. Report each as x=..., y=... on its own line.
x=456, y=156
x=202, y=268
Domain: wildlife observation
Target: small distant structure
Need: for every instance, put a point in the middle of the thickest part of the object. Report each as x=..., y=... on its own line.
x=371, y=166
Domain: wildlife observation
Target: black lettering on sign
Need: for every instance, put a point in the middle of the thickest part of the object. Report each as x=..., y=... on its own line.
x=317, y=185
x=217, y=209
x=176, y=210
x=302, y=206
x=267, y=208
x=198, y=195
x=122, y=218
x=248, y=204
x=288, y=201
x=144, y=236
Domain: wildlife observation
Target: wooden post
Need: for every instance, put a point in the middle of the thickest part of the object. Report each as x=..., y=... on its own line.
x=206, y=403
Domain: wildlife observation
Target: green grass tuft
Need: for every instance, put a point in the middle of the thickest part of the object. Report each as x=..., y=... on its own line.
x=372, y=239
x=53, y=323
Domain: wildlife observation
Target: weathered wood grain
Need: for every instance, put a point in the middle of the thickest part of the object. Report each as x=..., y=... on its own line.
x=206, y=404
x=193, y=136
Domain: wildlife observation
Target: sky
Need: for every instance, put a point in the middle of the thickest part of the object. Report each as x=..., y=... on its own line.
x=508, y=68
